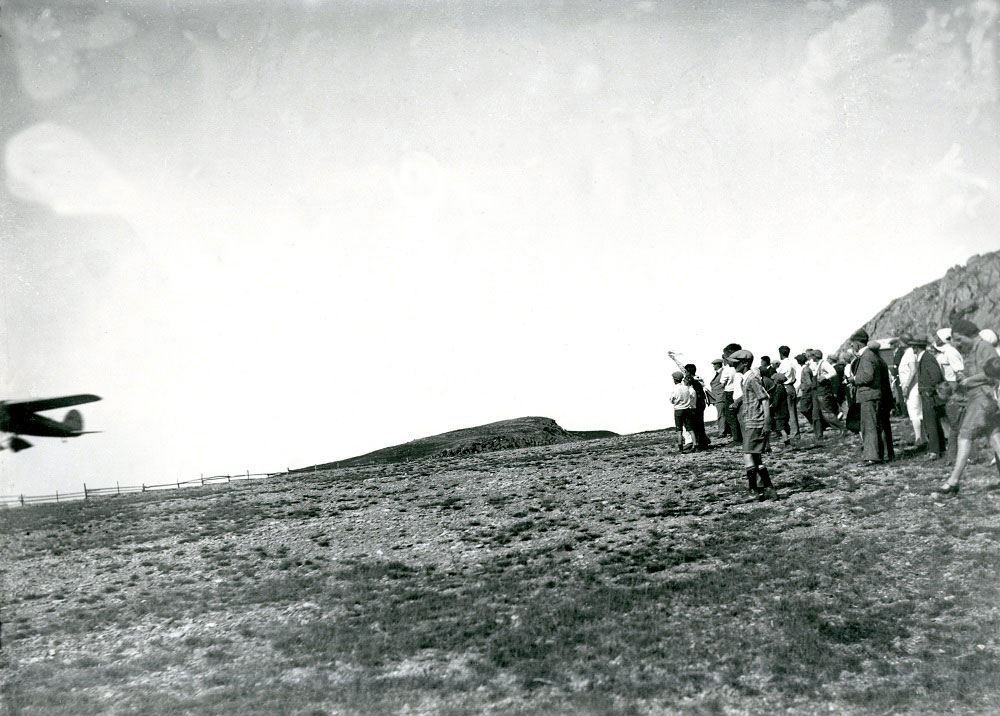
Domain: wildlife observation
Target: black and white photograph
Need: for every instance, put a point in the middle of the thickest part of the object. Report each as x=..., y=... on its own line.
x=508, y=357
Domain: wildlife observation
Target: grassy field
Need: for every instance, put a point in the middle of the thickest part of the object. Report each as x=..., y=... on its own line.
x=604, y=577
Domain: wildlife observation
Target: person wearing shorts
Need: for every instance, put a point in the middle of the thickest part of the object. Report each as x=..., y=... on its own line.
x=755, y=416
x=982, y=415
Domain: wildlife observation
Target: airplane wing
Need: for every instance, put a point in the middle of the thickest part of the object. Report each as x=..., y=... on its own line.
x=32, y=406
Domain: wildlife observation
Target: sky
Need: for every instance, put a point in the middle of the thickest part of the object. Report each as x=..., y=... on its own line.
x=276, y=234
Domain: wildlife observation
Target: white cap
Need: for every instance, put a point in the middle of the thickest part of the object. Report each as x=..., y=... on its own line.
x=944, y=334
x=989, y=336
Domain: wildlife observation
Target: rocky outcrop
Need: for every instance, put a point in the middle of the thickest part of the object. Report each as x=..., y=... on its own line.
x=972, y=291
x=503, y=435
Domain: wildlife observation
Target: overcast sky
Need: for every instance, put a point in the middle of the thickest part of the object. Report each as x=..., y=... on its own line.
x=274, y=235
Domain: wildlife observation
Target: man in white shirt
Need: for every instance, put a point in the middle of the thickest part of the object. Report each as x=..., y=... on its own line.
x=788, y=367
x=953, y=366
x=908, y=384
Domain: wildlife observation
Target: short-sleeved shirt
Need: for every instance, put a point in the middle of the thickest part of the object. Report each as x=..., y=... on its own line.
x=754, y=397
x=682, y=396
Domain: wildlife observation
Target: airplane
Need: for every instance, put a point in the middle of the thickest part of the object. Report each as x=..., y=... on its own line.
x=20, y=417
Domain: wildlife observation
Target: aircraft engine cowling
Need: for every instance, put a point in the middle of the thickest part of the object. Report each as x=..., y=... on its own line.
x=73, y=420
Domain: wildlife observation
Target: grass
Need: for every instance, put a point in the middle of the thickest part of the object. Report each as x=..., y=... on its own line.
x=614, y=577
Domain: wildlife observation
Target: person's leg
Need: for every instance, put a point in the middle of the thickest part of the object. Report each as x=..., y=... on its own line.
x=734, y=427
x=750, y=467
x=817, y=413
x=721, y=426
x=701, y=437
x=869, y=431
x=830, y=419
x=932, y=426
x=793, y=411
x=962, y=452
x=914, y=407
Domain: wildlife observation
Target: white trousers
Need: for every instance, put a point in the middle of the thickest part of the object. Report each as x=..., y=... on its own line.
x=916, y=411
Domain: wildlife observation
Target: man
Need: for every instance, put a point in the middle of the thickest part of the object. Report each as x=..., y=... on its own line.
x=953, y=366
x=755, y=415
x=929, y=377
x=981, y=415
x=682, y=397
x=886, y=403
x=718, y=399
x=907, y=372
x=701, y=440
x=730, y=379
x=789, y=368
x=866, y=375
x=766, y=370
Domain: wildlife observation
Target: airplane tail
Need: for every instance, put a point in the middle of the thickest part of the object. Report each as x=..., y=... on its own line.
x=73, y=421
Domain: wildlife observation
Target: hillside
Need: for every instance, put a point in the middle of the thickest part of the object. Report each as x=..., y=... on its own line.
x=606, y=577
x=502, y=435
x=976, y=286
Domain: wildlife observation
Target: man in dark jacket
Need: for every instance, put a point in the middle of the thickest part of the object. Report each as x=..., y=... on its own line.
x=885, y=404
x=701, y=440
x=867, y=374
x=929, y=376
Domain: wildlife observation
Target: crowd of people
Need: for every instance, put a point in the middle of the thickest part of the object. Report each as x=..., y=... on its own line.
x=947, y=385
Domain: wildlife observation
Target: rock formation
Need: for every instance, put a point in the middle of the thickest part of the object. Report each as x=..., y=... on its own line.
x=972, y=290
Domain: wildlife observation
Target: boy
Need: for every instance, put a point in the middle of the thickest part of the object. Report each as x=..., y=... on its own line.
x=755, y=416
x=683, y=399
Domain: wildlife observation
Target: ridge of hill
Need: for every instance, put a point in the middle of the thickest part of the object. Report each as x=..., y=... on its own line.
x=971, y=291
x=501, y=435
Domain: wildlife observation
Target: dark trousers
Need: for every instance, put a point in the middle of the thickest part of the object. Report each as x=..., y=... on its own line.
x=873, y=446
x=885, y=413
x=731, y=421
x=698, y=424
x=822, y=401
x=793, y=409
x=721, y=426
x=933, y=432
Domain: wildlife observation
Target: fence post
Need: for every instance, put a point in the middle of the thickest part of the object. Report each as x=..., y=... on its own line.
x=22, y=500
x=178, y=483
x=57, y=495
x=144, y=487
x=248, y=473
x=202, y=479
x=85, y=490
x=118, y=485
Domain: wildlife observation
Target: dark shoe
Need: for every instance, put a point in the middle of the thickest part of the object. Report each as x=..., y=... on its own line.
x=946, y=490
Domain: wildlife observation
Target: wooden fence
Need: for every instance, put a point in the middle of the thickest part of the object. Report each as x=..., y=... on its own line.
x=118, y=489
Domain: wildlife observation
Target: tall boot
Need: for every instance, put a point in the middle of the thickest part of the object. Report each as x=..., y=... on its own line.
x=768, y=492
